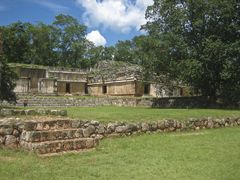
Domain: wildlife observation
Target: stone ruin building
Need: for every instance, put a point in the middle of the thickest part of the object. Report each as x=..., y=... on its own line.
x=105, y=79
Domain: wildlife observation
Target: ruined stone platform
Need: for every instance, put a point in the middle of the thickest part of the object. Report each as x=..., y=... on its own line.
x=58, y=135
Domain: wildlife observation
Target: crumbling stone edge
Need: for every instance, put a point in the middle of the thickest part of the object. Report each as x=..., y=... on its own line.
x=32, y=112
x=18, y=133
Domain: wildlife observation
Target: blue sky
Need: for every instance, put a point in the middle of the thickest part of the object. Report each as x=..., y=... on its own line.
x=108, y=20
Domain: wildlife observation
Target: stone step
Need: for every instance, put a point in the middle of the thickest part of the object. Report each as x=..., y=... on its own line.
x=41, y=136
x=59, y=146
x=47, y=125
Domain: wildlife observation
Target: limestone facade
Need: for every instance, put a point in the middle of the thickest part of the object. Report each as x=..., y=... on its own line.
x=62, y=81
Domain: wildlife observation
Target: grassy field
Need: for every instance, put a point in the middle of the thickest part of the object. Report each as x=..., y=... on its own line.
x=203, y=155
x=111, y=113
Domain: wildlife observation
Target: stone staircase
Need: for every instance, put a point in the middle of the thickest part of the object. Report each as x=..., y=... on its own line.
x=57, y=101
x=48, y=137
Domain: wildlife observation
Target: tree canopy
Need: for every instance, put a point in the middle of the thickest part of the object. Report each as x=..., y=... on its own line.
x=62, y=43
x=200, y=43
x=192, y=42
x=7, y=77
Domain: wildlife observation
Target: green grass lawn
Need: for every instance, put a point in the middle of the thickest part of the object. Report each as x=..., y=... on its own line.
x=111, y=113
x=203, y=155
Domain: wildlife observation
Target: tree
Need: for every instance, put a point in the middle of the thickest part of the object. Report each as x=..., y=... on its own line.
x=124, y=51
x=16, y=42
x=72, y=42
x=43, y=44
x=7, y=78
x=201, y=43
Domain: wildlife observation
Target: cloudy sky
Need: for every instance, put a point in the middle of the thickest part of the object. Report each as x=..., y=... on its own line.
x=108, y=20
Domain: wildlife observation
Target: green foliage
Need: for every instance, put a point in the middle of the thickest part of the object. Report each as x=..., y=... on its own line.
x=124, y=51
x=7, y=78
x=43, y=42
x=200, y=42
x=16, y=42
x=71, y=42
x=63, y=43
x=99, y=53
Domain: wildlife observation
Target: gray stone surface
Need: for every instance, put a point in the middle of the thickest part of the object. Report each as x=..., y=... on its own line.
x=145, y=127
x=101, y=129
x=11, y=141
x=88, y=131
x=62, y=135
x=121, y=129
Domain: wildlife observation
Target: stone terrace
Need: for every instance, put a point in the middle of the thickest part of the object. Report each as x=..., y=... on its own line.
x=64, y=135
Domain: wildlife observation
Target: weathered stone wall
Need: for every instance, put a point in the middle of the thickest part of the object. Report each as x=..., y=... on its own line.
x=120, y=88
x=39, y=101
x=65, y=135
x=10, y=132
x=67, y=75
x=160, y=91
x=31, y=112
x=173, y=102
x=22, y=85
x=125, y=88
x=47, y=86
x=75, y=88
x=95, y=89
x=78, y=88
x=34, y=75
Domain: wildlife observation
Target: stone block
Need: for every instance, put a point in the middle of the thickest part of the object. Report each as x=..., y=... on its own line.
x=16, y=133
x=11, y=141
x=153, y=126
x=132, y=127
x=101, y=129
x=6, y=130
x=89, y=143
x=145, y=127
x=79, y=133
x=121, y=129
x=88, y=131
x=111, y=127
x=30, y=126
x=161, y=125
x=77, y=124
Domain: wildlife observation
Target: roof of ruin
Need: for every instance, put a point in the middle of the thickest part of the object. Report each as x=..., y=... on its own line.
x=114, y=71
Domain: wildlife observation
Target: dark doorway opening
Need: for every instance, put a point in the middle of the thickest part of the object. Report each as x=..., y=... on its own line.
x=181, y=91
x=86, y=89
x=68, y=88
x=104, y=89
x=147, y=89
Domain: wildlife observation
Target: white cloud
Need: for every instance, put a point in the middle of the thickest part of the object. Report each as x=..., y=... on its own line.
x=52, y=6
x=96, y=38
x=119, y=15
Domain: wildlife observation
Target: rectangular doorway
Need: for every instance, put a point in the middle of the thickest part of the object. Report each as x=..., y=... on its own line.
x=104, y=89
x=146, y=89
x=68, y=89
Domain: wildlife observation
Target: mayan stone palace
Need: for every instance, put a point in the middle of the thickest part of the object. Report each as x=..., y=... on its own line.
x=106, y=79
